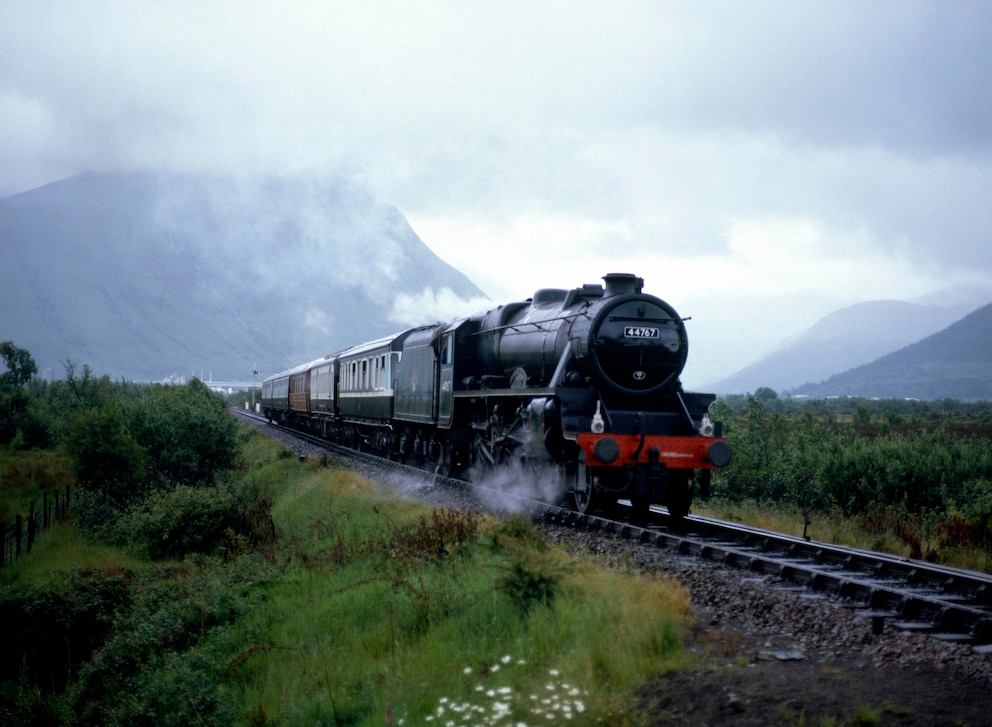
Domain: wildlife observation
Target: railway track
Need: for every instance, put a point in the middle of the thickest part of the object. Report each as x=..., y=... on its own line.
x=908, y=595
x=887, y=591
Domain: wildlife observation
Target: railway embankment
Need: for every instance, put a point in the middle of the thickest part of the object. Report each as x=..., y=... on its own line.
x=766, y=652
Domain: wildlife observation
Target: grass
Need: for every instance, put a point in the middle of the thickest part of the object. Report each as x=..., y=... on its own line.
x=847, y=531
x=367, y=610
x=62, y=549
x=479, y=616
x=25, y=475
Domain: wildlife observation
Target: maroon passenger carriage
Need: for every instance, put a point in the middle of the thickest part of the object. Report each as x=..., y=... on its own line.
x=583, y=381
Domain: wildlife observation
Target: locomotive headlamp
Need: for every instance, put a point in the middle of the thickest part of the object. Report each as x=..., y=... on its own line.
x=706, y=426
x=598, y=425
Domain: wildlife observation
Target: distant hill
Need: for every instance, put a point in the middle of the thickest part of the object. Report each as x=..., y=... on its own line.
x=144, y=276
x=843, y=340
x=955, y=363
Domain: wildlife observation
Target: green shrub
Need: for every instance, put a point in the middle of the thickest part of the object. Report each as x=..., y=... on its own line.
x=530, y=581
x=447, y=534
x=187, y=431
x=164, y=661
x=535, y=572
x=54, y=625
x=173, y=523
x=105, y=454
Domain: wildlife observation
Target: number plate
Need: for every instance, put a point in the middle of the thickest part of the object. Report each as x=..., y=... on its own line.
x=640, y=332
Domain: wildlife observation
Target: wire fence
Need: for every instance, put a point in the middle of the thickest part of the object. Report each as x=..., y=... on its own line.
x=18, y=535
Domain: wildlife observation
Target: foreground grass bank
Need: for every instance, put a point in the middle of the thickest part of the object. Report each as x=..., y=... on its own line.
x=365, y=610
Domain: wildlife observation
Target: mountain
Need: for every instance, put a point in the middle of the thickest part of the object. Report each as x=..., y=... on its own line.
x=848, y=338
x=955, y=363
x=145, y=276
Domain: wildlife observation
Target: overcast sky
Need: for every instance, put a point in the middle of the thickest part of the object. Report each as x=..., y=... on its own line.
x=759, y=164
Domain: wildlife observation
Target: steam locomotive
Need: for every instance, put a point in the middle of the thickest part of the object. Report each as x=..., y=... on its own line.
x=583, y=383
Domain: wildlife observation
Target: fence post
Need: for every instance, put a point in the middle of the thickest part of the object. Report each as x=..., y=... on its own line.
x=30, y=527
x=18, y=525
x=45, y=515
x=3, y=544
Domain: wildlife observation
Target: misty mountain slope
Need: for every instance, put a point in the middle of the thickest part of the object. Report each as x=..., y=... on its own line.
x=842, y=340
x=144, y=276
x=954, y=363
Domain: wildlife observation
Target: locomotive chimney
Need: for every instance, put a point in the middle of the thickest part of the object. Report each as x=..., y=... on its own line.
x=622, y=284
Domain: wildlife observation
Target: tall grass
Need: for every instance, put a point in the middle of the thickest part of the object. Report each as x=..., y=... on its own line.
x=62, y=549
x=880, y=529
x=24, y=475
x=386, y=608
x=366, y=610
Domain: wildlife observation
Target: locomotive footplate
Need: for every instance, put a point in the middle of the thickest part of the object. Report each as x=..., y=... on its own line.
x=635, y=450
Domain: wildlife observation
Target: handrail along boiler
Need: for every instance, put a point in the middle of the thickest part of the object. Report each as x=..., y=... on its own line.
x=584, y=381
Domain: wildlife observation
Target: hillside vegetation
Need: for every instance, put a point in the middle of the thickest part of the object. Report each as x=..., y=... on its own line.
x=210, y=577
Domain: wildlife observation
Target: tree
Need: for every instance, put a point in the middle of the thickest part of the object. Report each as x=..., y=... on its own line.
x=106, y=457
x=20, y=366
x=14, y=416
x=186, y=430
x=765, y=394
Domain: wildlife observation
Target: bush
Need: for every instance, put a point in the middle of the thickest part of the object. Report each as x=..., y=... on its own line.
x=531, y=579
x=807, y=462
x=53, y=626
x=535, y=572
x=158, y=666
x=105, y=454
x=978, y=511
x=174, y=523
x=187, y=432
x=447, y=534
